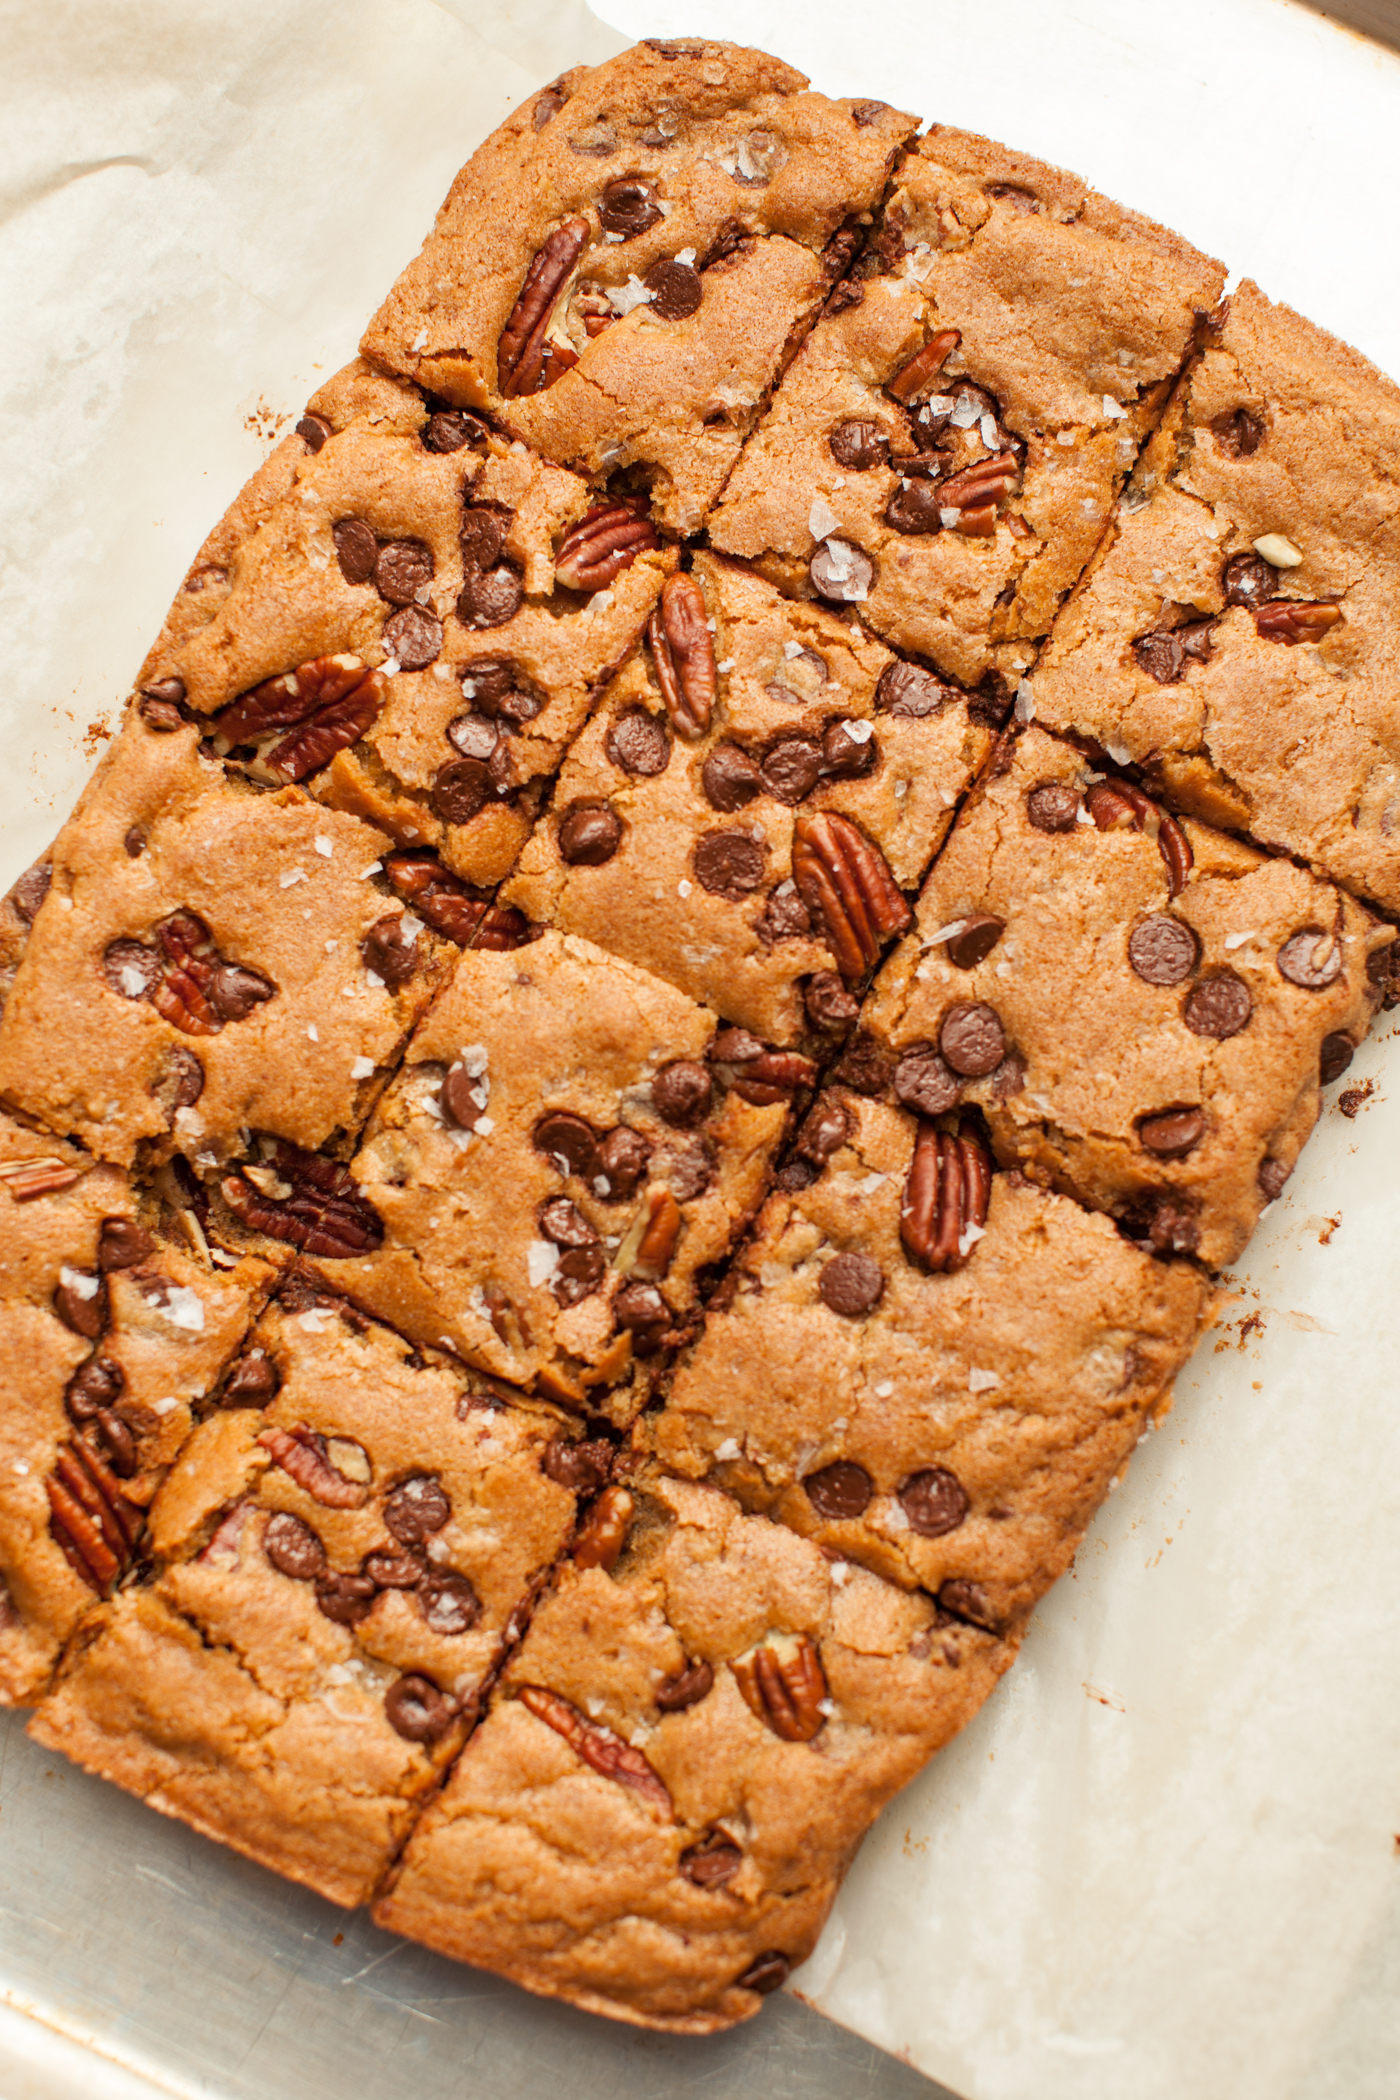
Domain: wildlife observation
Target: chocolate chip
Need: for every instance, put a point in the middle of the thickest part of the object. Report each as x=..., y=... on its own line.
x=730, y=778
x=490, y=597
x=933, y=1500
x=628, y=206
x=851, y=1284
x=460, y=1098
x=1311, y=959
x=864, y=1067
x=687, y=1170
x=1009, y=1076
x=639, y=743
x=416, y=1509
x=825, y=1129
x=389, y=1570
x=252, y=1382
x=687, y=1688
x=1172, y=1132
x=346, y=1599
x=450, y=429
x=791, y=769
x=677, y=290
x=180, y=1080
x=387, y=952
x=1161, y=655
x=233, y=992
x=785, y=918
x=293, y=1547
x=1238, y=433
x=830, y=1007
x=1337, y=1053
x=868, y=113
x=135, y=842
x=858, y=444
x=972, y=1038
x=448, y=1603
x=461, y=790
x=560, y=1135
x=1219, y=1006
x=641, y=1311
x=589, y=835
x=416, y=1709
x=499, y=689
x=315, y=430
x=968, y=1600
x=162, y=716
x=769, y=1973
x=841, y=572
x=682, y=1093
x=622, y=1160
x=564, y=1223
x=908, y=689
x=404, y=568
x=797, y=1175
x=31, y=889
x=413, y=638
x=1053, y=806
x=580, y=1272
x=82, y=1304
x=170, y=690
x=356, y=549
x=847, y=755
x=1162, y=950
x=1247, y=579
x=483, y=533
x=475, y=736
x=729, y=864
x=1161, y=1221
x=923, y=1082
x=121, y=1244
x=579, y=1467
x=915, y=507
x=131, y=969
x=1273, y=1174
x=840, y=1490
x=974, y=942
x=92, y=1390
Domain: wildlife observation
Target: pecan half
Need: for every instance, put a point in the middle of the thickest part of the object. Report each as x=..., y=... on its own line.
x=90, y=1517
x=1292, y=621
x=784, y=1691
x=946, y=1195
x=1117, y=805
x=983, y=485
x=327, y=704
x=683, y=650
x=521, y=354
x=604, y=1534
x=845, y=883
x=712, y=1862
x=597, y=1746
x=449, y=905
x=305, y=1456
x=27, y=1179
x=605, y=541
x=650, y=1240
x=322, y=1212
x=923, y=368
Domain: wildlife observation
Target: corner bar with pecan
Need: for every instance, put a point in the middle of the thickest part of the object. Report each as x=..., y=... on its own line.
x=1143, y=1010
x=744, y=813
x=110, y=1334
x=708, y=1748
x=569, y=1148
x=944, y=451
x=350, y=1544
x=619, y=272
x=212, y=940
x=1256, y=687
x=988, y=1363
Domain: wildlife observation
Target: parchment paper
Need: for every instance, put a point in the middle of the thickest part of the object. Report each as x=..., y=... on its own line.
x=1164, y=1861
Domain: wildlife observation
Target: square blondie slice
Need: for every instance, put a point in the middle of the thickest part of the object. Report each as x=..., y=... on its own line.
x=754, y=795
x=567, y=1151
x=349, y=1542
x=208, y=957
x=414, y=624
x=618, y=271
x=990, y=1355
x=1238, y=638
x=679, y=1763
x=110, y=1336
x=1144, y=1011
x=944, y=451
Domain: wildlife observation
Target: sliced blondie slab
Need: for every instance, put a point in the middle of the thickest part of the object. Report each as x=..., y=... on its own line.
x=944, y=452
x=616, y=274
x=349, y=1542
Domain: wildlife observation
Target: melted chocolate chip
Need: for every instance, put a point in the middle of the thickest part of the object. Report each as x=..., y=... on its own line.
x=908, y=689
x=934, y=1502
x=842, y=1490
x=32, y=888
x=461, y=790
x=639, y=743
x=1053, y=806
x=974, y=941
x=562, y=1136
x=730, y=778
x=851, y=1284
x=293, y=1547
x=682, y=1092
x=346, y=1599
x=1238, y=433
x=356, y=549
x=1247, y=579
x=791, y=769
x=252, y=1382
x=1219, y=1006
x=623, y=1157
x=451, y=428
x=841, y=572
x=1336, y=1054
x=387, y=951
x=923, y=1081
x=413, y=638
x=404, y=568
x=858, y=444
x=847, y=754
x=677, y=290
x=1163, y=950
x=628, y=206
x=687, y=1688
x=121, y=1244
x=490, y=597
x=1272, y=1176
x=641, y=1311
x=416, y=1509
x=1172, y=1133
x=589, y=836
x=729, y=864
x=972, y=1038
x=915, y=507
x=1311, y=959
x=448, y=1603
x=830, y=1007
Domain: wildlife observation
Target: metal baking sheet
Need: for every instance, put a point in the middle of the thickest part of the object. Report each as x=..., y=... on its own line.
x=1164, y=1860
